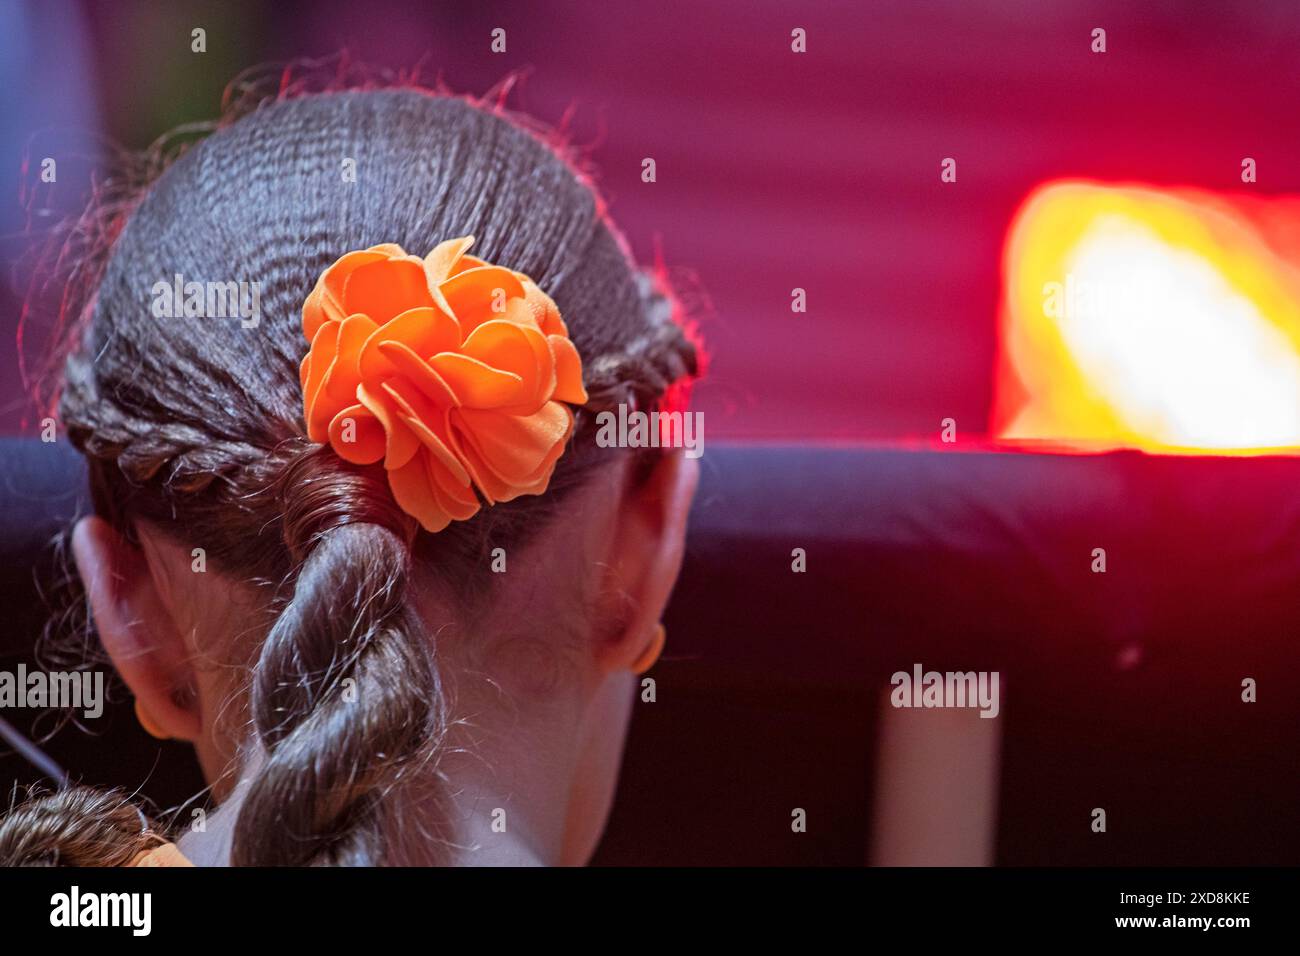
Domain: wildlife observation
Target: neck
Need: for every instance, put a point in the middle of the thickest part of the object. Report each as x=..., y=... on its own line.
x=498, y=797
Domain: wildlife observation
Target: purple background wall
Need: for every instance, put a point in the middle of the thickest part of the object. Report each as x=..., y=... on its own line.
x=775, y=170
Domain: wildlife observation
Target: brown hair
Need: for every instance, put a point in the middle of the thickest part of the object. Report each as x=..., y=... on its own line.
x=77, y=826
x=202, y=435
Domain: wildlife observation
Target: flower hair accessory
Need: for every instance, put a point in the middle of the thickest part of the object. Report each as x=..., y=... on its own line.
x=454, y=372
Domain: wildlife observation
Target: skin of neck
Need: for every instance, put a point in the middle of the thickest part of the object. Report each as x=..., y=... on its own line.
x=530, y=765
x=509, y=794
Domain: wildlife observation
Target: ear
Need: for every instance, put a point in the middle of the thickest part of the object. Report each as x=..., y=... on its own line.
x=645, y=555
x=136, y=628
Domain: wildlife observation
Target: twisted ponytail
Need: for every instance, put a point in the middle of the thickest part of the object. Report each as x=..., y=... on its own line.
x=345, y=693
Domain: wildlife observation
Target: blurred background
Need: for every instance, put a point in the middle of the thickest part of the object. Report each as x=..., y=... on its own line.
x=775, y=170
x=820, y=171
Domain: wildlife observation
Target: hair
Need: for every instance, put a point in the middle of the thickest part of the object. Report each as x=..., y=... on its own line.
x=202, y=436
x=77, y=826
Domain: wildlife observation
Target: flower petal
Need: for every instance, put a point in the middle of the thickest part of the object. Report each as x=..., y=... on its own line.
x=346, y=376
x=326, y=300
x=316, y=312
x=517, y=348
x=385, y=289
x=457, y=499
x=442, y=259
x=426, y=330
x=316, y=409
x=364, y=442
x=497, y=487
x=428, y=422
x=475, y=383
x=492, y=488
x=545, y=313
x=412, y=490
x=466, y=262
x=568, y=371
x=420, y=373
x=402, y=442
x=477, y=295
x=515, y=446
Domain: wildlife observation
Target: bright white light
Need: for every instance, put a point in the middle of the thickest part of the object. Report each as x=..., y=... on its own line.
x=1184, y=358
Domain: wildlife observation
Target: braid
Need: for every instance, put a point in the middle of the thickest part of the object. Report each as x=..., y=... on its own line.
x=346, y=698
x=333, y=748
x=186, y=456
x=333, y=751
x=648, y=364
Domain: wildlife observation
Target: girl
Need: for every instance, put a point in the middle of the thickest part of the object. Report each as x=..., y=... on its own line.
x=361, y=550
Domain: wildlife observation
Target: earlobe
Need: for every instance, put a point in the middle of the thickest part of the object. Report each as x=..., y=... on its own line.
x=147, y=723
x=137, y=629
x=650, y=656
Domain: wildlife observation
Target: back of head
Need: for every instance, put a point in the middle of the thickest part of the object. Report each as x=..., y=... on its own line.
x=195, y=426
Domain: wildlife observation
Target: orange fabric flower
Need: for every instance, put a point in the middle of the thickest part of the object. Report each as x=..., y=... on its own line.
x=452, y=371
